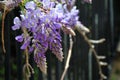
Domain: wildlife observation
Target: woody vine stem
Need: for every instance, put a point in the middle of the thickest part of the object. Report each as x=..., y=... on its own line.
x=68, y=58
x=89, y=42
x=2, y=32
x=27, y=69
x=102, y=76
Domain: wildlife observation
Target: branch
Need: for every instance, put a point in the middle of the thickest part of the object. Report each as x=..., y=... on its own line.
x=68, y=58
x=27, y=68
x=4, y=13
x=97, y=41
x=102, y=76
x=2, y=32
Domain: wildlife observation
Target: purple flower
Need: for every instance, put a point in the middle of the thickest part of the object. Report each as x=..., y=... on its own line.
x=22, y=17
x=40, y=59
x=56, y=48
x=17, y=23
x=26, y=43
x=74, y=11
x=59, y=10
x=41, y=25
x=71, y=17
x=57, y=25
x=30, y=5
x=31, y=49
x=48, y=4
x=19, y=38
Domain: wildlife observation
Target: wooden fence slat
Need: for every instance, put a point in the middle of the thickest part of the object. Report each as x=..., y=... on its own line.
x=8, y=48
x=19, y=62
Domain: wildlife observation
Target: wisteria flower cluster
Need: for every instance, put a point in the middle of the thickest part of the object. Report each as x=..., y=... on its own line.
x=41, y=23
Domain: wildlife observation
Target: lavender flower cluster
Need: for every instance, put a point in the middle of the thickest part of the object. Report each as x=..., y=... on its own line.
x=41, y=23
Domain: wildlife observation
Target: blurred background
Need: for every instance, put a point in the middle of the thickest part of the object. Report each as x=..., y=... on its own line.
x=102, y=17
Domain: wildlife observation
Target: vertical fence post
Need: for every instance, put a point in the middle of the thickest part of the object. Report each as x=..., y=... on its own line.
x=31, y=61
x=18, y=51
x=111, y=12
x=90, y=65
x=40, y=77
x=100, y=19
x=49, y=76
x=57, y=71
x=65, y=52
x=19, y=62
x=8, y=48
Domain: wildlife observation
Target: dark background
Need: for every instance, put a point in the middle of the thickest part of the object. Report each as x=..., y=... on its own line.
x=102, y=17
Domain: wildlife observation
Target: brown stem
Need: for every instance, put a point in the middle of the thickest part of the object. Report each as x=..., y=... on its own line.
x=27, y=57
x=27, y=69
x=102, y=76
x=68, y=58
x=3, y=19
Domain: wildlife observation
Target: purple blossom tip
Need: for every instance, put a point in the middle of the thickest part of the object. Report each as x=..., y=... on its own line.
x=30, y=5
x=19, y=38
x=40, y=59
x=17, y=23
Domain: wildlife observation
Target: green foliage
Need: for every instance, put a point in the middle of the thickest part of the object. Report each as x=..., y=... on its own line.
x=2, y=72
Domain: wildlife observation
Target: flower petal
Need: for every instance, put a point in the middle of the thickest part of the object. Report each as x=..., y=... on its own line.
x=19, y=38
x=30, y=5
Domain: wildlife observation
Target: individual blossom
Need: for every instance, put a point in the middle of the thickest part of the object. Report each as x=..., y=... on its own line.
x=30, y=5
x=26, y=43
x=71, y=17
x=17, y=23
x=47, y=4
x=19, y=38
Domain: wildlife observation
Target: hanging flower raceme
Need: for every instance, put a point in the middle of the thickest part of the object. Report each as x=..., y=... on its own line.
x=41, y=23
